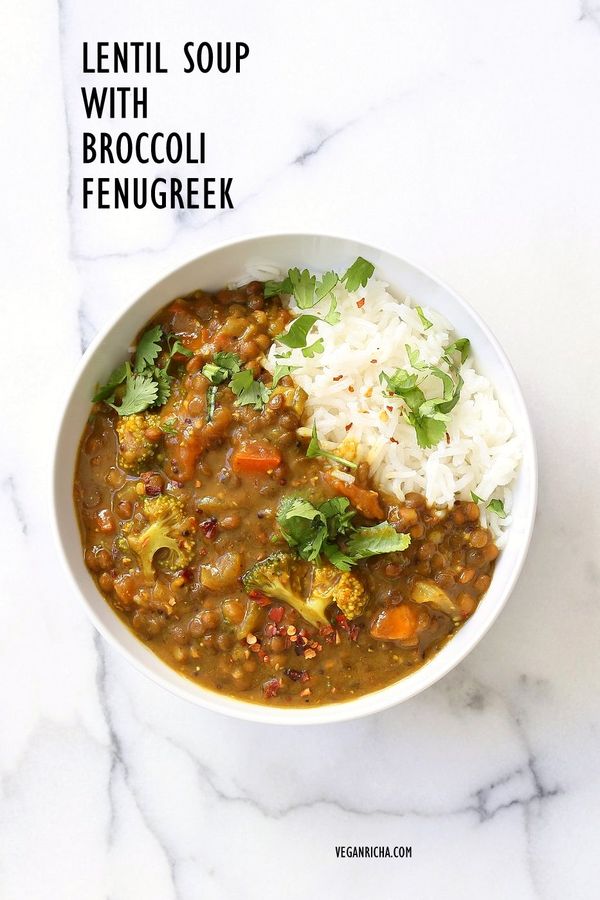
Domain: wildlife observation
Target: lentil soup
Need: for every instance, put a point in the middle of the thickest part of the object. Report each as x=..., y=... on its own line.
x=247, y=557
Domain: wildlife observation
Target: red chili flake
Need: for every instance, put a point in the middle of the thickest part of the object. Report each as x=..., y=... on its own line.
x=187, y=574
x=271, y=687
x=209, y=527
x=259, y=598
x=275, y=614
x=337, y=378
x=297, y=674
x=270, y=630
x=348, y=426
x=393, y=440
x=342, y=621
x=353, y=632
x=360, y=302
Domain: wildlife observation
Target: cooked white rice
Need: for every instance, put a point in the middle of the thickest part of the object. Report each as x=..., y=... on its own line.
x=482, y=454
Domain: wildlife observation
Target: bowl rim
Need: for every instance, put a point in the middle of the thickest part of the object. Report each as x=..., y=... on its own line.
x=366, y=704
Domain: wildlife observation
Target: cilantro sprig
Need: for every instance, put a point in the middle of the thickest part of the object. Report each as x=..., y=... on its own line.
x=143, y=384
x=228, y=367
x=248, y=391
x=308, y=291
x=428, y=416
x=223, y=366
x=496, y=505
x=314, y=449
x=316, y=531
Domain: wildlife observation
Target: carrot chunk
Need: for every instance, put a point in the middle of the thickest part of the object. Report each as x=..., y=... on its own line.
x=396, y=623
x=366, y=502
x=255, y=459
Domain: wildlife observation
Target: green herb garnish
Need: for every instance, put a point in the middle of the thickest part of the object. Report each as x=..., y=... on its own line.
x=223, y=366
x=116, y=378
x=428, y=417
x=248, y=391
x=462, y=346
x=308, y=290
x=297, y=334
x=211, y=396
x=376, y=539
x=168, y=426
x=163, y=385
x=358, y=274
x=148, y=348
x=314, y=449
x=281, y=370
x=497, y=506
x=141, y=391
x=424, y=320
x=147, y=384
x=313, y=531
x=312, y=349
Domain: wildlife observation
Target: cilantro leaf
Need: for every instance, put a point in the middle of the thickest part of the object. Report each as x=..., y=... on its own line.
x=312, y=531
x=475, y=498
x=224, y=365
x=248, y=391
x=462, y=346
x=280, y=372
x=333, y=316
x=497, y=506
x=314, y=449
x=215, y=374
x=148, y=348
x=358, y=274
x=141, y=392
x=303, y=287
x=339, y=515
x=177, y=347
x=424, y=320
x=429, y=431
x=272, y=288
x=227, y=360
x=297, y=333
x=168, y=426
x=211, y=396
x=414, y=358
x=337, y=557
x=163, y=382
x=313, y=349
x=303, y=526
x=404, y=385
x=326, y=284
x=375, y=539
x=117, y=377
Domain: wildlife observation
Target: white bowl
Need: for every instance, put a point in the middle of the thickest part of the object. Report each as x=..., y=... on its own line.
x=211, y=271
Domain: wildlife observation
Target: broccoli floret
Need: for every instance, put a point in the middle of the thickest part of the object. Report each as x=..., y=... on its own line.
x=135, y=446
x=280, y=576
x=342, y=588
x=169, y=529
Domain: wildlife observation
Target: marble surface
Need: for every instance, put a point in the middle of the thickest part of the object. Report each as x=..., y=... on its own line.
x=464, y=136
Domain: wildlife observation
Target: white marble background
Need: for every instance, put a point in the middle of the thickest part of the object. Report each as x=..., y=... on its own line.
x=466, y=136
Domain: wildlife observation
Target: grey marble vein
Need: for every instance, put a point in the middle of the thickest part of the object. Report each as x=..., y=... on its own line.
x=590, y=12
x=119, y=766
x=10, y=488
